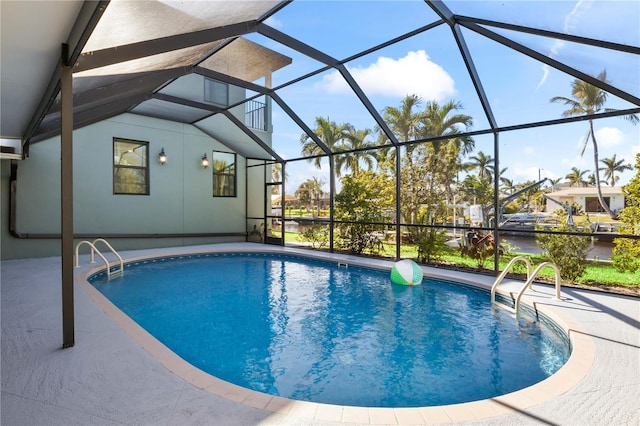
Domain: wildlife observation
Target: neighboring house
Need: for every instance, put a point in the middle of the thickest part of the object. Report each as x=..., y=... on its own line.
x=587, y=198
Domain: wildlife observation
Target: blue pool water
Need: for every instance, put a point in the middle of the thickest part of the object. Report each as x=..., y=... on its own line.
x=310, y=330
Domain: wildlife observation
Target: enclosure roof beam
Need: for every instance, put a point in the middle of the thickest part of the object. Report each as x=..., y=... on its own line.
x=310, y=133
x=252, y=135
x=136, y=83
x=85, y=23
x=114, y=55
x=91, y=115
x=552, y=63
x=473, y=74
x=463, y=20
x=367, y=104
x=296, y=45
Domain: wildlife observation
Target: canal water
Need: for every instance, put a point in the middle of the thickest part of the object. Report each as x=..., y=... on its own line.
x=598, y=250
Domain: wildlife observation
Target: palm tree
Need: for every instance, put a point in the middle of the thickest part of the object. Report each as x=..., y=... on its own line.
x=612, y=166
x=310, y=191
x=353, y=160
x=404, y=123
x=576, y=177
x=328, y=132
x=588, y=99
x=276, y=176
x=331, y=134
x=443, y=120
x=554, y=182
x=427, y=167
x=439, y=121
x=491, y=168
x=483, y=162
x=508, y=186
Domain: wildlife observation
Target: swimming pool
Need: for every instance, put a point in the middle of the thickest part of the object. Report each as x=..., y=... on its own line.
x=311, y=330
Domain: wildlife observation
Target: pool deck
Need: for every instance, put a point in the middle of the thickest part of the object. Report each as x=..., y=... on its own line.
x=117, y=374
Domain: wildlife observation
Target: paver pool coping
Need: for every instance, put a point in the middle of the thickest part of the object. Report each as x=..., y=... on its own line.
x=569, y=375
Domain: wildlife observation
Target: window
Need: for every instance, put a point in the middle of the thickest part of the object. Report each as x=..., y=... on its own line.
x=130, y=167
x=592, y=204
x=224, y=174
x=216, y=92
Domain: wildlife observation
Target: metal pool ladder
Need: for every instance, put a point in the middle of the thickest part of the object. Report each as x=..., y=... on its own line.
x=94, y=249
x=530, y=277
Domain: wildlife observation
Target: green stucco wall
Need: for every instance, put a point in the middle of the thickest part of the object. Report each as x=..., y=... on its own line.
x=180, y=199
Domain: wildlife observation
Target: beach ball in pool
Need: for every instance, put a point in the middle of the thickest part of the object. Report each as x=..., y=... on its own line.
x=406, y=272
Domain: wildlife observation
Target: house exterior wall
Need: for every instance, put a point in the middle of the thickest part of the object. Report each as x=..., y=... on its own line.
x=180, y=197
x=616, y=202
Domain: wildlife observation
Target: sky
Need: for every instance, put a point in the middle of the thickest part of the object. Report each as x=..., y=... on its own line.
x=429, y=65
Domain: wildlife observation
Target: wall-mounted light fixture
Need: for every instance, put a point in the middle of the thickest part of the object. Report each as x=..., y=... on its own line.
x=205, y=161
x=162, y=157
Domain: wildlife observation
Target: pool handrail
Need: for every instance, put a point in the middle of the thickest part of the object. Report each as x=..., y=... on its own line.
x=104, y=259
x=506, y=271
x=102, y=240
x=533, y=277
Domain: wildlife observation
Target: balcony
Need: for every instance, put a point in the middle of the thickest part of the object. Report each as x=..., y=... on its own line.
x=256, y=115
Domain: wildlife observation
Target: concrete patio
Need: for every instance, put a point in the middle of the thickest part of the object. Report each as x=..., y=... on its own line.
x=110, y=377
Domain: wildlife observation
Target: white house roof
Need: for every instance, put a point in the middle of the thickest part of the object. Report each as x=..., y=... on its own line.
x=587, y=191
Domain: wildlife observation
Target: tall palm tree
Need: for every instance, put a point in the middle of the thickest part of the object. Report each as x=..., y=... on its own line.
x=330, y=133
x=484, y=163
x=588, y=99
x=491, y=169
x=611, y=167
x=276, y=176
x=508, y=187
x=404, y=123
x=444, y=120
x=576, y=177
x=439, y=120
x=554, y=182
x=354, y=160
x=310, y=191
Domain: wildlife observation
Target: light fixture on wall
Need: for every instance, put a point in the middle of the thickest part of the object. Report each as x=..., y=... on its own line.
x=205, y=161
x=162, y=157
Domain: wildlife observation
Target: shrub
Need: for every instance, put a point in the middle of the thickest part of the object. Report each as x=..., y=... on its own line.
x=317, y=235
x=626, y=253
x=358, y=238
x=364, y=198
x=431, y=244
x=568, y=252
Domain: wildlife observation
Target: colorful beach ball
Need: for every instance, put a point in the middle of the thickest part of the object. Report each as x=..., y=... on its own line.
x=406, y=272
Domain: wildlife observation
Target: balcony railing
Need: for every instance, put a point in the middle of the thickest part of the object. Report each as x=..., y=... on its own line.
x=256, y=115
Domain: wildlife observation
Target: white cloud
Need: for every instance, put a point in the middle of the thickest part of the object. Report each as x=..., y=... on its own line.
x=545, y=74
x=584, y=162
x=571, y=21
x=273, y=22
x=525, y=174
x=630, y=158
x=528, y=150
x=609, y=136
x=413, y=74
